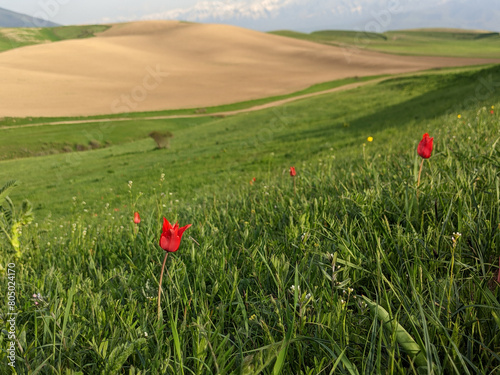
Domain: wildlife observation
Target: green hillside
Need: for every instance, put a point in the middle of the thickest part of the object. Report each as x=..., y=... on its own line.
x=351, y=267
x=430, y=42
x=19, y=37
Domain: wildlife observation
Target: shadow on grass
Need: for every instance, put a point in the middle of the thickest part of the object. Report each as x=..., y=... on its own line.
x=453, y=93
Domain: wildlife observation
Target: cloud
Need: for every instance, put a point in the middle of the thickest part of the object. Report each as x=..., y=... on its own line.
x=224, y=10
x=308, y=15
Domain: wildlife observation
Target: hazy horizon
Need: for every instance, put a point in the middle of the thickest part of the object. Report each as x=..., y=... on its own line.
x=267, y=15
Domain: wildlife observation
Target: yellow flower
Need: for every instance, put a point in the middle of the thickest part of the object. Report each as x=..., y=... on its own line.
x=492, y=107
x=459, y=116
x=370, y=139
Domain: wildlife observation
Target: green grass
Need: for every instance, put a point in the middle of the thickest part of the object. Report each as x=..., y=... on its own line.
x=20, y=37
x=407, y=42
x=354, y=227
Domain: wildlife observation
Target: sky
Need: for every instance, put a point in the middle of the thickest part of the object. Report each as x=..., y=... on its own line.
x=265, y=15
x=93, y=11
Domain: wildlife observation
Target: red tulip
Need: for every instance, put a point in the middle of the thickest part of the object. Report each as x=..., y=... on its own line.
x=492, y=111
x=137, y=218
x=425, y=146
x=171, y=236
x=292, y=171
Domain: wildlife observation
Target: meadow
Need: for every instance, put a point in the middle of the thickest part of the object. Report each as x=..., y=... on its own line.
x=345, y=268
x=424, y=42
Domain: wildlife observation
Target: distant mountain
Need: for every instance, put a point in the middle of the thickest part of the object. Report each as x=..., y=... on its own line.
x=9, y=18
x=462, y=14
x=365, y=15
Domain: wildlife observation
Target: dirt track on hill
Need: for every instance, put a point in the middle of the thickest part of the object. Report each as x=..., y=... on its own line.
x=162, y=65
x=227, y=113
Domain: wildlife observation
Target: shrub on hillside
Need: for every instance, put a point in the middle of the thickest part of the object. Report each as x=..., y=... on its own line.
x=93, y=144
x=162, y=139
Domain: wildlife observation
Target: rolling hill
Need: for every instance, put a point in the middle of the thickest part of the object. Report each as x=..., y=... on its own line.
x=159, y=65
x=425, y=42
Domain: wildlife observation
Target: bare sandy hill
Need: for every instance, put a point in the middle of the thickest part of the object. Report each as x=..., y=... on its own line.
x=157, y=65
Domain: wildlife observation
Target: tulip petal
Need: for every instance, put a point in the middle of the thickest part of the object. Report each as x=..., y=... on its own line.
x=166, y=225
x=181, y=230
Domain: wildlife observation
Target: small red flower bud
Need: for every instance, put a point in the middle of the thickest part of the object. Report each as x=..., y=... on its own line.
x=137, y=218
x=425, y=146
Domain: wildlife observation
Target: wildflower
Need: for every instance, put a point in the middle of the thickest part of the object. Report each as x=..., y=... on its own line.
x=130, y=184
x=424, y=149
x=171, y=236
x=170, y=240
x=492, y=112
x=370, y=139
x=459, y=116
x=455, y=238
x=293, y=173
x=137, y=218
x=425, y=146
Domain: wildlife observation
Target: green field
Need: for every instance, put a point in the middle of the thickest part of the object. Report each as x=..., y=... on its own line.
x=354, y=229
x=19, y=37
x=425, y=42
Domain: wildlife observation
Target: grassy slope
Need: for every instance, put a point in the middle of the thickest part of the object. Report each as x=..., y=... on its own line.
x=316, y=124
x=45, y=140
x=19, y=37
x=228, y=299
x=418, y=42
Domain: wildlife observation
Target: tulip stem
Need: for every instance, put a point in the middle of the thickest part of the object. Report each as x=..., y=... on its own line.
x=159, y=286
x=294, y=188
x=419, y=173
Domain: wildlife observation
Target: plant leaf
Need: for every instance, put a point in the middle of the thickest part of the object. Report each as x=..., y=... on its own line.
x=9, y=185
x=402, y=336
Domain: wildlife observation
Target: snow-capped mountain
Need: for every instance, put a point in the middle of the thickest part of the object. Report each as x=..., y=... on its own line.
x=372, y=15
